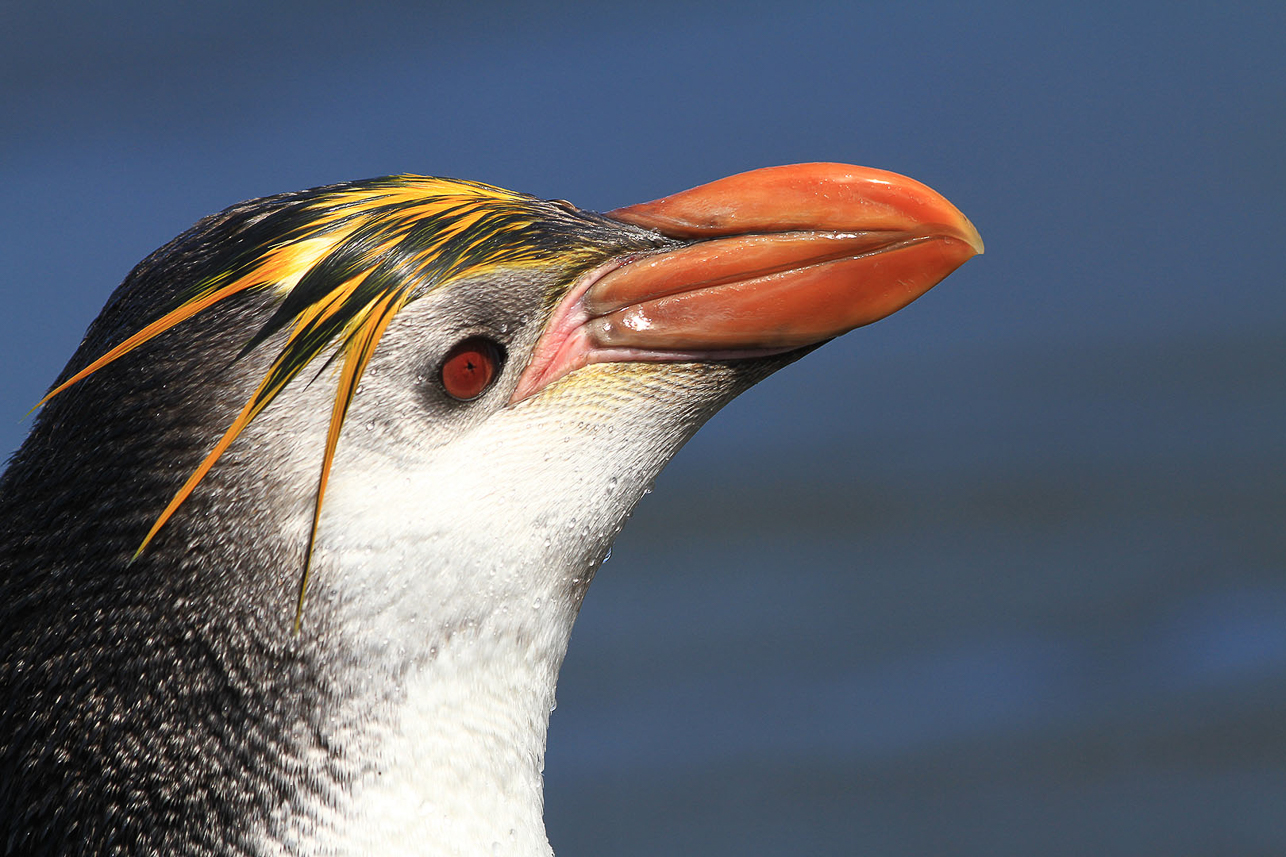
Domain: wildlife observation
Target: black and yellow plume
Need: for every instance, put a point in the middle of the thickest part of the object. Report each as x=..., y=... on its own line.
x=342, y=261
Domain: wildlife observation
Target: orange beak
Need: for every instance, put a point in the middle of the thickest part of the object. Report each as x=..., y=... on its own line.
x=781, y=258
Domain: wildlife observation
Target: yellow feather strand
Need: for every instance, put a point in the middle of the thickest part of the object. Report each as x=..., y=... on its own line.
x=357, y=355
x=153, y=330
x=248, y=413
x=265, y=393
x=283, y=267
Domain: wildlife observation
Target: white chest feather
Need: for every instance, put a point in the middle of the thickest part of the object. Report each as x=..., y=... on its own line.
x=456, y=768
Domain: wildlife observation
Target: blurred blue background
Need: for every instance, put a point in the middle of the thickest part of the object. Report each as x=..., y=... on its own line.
x=1000, y=575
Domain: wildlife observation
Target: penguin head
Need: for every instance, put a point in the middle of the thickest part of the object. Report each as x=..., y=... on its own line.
x=439, y=398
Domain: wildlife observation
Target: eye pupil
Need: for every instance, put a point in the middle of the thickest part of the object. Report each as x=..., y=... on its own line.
x=469, y=368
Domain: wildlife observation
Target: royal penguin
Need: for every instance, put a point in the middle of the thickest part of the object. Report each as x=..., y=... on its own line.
x=291, y=557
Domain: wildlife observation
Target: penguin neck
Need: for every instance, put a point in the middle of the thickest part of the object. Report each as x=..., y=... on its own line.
x=455, y=745
x=449, y=640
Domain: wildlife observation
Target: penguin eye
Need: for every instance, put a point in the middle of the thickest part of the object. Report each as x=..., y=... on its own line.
x=470, y=367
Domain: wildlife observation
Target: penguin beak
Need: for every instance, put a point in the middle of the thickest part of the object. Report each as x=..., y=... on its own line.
x=774, y=260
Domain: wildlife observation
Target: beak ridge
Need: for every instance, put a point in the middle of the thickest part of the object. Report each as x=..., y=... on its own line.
x=818, y=197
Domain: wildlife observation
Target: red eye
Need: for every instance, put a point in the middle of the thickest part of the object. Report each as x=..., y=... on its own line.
x=469, y=368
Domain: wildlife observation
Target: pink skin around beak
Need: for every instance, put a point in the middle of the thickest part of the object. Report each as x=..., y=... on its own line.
x=781, y=258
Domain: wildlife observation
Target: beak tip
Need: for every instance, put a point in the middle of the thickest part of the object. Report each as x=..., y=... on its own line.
x=973, y=238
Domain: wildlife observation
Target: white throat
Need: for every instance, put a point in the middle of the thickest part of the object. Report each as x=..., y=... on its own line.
x=456, y=579
x=456, y=764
